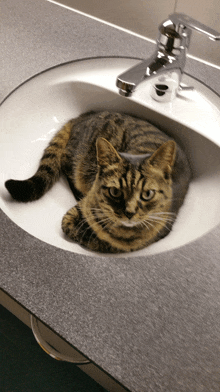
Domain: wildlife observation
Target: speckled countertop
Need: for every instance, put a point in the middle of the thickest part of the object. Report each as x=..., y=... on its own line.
x=152, y=323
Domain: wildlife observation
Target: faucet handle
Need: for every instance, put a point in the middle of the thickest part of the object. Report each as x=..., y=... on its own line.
x=175, y=32
x=182, y=21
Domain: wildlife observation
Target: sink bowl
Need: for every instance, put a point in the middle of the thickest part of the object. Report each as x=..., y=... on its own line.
x=34, y=111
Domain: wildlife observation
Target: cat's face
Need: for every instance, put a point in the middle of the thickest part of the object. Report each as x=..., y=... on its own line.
x=132, y=196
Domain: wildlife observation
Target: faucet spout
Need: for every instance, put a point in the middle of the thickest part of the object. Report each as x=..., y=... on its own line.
x=131, y=78
x=160, y=62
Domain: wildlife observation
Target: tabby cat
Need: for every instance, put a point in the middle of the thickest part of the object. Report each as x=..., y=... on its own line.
x=129, y=178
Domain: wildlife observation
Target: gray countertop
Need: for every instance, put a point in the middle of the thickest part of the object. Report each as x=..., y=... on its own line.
x=152, y=323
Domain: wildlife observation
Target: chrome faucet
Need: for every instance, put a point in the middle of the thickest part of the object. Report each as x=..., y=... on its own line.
x=169, y=58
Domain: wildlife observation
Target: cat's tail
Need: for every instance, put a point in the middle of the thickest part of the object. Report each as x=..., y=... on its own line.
x=48, y=171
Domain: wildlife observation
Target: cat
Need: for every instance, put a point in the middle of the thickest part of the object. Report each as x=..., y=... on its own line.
x=129, y=179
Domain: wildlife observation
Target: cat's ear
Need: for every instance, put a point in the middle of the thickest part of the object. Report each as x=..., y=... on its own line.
x=164, y=157
x=165, y=154
x=106, y=153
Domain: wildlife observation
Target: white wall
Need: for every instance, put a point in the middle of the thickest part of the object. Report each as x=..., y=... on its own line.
x=144, y=16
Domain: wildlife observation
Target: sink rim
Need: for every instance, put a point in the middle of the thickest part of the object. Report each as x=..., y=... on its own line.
x=63, y=64
x=94, y=58
x=201, y=83
x=97, y=58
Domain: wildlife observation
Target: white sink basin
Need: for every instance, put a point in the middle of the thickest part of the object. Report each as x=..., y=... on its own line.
x=38, y=108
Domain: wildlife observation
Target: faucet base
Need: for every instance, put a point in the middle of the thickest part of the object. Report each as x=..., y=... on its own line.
x=165, y=87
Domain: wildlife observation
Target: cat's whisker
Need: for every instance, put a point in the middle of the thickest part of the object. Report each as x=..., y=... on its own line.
x=164, y=213
x=160, y=219
x=162, y=223
x=84, y=233
x=154, y=221
x=80, y=225
x=145, y=224
x=146, y=221
x=107, y=222
x=95, y=209
x=155, y=218
x=104, y=222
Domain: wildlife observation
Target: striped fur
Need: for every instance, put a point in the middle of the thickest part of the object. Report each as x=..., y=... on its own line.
x=48, y=172
x=129, y=178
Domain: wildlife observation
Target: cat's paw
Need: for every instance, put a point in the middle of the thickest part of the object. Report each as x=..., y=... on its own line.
x=71, y=222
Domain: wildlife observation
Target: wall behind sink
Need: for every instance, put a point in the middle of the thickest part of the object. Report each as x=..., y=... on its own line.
x=207, y=12
x=144, y=16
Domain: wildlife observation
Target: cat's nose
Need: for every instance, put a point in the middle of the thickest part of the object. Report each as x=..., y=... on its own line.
x=129, y=214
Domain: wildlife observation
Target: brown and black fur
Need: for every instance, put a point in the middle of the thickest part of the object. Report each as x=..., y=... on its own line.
x=129, y=178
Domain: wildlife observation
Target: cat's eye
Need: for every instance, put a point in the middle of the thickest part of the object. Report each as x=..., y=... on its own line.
x=115, y=192
x=148, y=195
